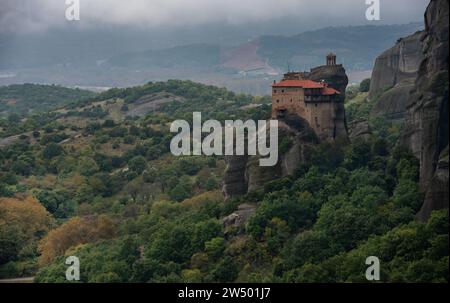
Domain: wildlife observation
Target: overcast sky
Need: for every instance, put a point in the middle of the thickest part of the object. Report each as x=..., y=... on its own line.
x=39, y=15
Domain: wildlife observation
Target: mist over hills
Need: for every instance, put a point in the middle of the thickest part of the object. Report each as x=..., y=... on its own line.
x=357, y=46
x=237, y=60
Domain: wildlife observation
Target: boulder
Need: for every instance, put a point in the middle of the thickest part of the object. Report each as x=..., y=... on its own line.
x=240, y=216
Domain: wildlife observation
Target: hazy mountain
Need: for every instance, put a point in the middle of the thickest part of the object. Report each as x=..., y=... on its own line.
x=356, y=46
x=107, y=58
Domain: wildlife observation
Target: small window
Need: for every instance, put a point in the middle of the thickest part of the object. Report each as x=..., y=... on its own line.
x=278, y=101
x=282, y=90
x=275, y=91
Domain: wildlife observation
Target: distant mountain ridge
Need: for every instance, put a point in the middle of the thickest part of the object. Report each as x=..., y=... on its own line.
x=356, y=46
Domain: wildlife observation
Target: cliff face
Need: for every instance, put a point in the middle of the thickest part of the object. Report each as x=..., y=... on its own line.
x=244, y=174
x=426, y=130
x=393, y=76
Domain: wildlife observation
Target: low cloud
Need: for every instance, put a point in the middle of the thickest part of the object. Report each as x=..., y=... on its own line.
x=29, y=15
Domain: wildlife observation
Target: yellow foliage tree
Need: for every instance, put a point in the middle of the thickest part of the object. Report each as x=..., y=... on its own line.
x=74, y=232
x=22, y=222
x=203, y=198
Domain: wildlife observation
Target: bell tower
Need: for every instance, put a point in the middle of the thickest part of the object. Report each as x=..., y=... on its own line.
x=331, y=59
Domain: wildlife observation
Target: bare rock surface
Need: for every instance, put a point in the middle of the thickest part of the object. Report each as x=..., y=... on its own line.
x=426, y=130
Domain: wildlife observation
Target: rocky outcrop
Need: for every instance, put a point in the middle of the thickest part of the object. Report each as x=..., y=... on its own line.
x=150, y=103
x=436, y=197
x=396, y=64
x=239, y=217
x=8, y=141
x=334, y=75
x=426, y=129
x=359, y=129
x=393, y=103
x=234, y=181
x=336, y=78
x=393, y=77
x=244, y=174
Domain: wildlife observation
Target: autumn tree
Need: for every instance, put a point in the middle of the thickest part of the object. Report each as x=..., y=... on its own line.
x=22, y=223
x=74, y=232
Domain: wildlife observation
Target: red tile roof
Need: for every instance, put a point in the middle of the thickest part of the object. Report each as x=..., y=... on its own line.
x=298, y=83
x=307, y=84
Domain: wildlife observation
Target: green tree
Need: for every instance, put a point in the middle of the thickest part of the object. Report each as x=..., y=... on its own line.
x=52, y=150
x=225, y=271
x=364, y=86
x=215, y=247
x=137, y=164
x=88, y=166
x=211, y=183
x=345, y=224
x=297, y=212
x=182, y=190
x=407, y=194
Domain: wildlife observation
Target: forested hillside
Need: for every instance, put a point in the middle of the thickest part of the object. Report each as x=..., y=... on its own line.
x=96, y=179
x=31, y=98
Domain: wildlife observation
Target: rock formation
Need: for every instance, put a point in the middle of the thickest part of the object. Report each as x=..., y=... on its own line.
x=393, y=76
x=359, y=129
x=244, y=174
x=426, y=130
x=336, y=78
